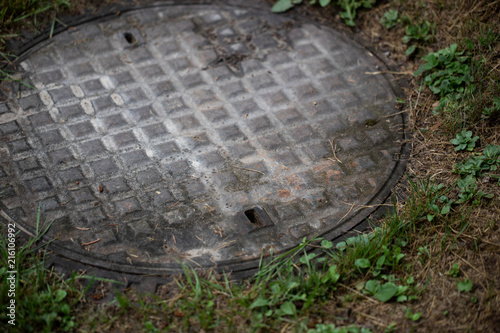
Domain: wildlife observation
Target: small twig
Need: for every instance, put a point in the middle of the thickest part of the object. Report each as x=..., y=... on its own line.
x=333, y=150
x=493, y=68
x=285, y=327
x=474, y=268
x=175, y=242
x=85, y=229
x=249, y=169
x=352, y=206
x=218, y=231
x=201, y=240
x=358, y=293
x=464, y=235
x=394, y=114
x=223, y=245
x=193, y=261
x=90, y=243
x=376, y=320
x=175, y=204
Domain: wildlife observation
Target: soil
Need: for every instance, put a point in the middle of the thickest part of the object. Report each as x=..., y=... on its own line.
x=477, y=249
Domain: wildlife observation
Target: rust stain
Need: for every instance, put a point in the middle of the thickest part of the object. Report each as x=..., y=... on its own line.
x=284, y=193
x=326, y=174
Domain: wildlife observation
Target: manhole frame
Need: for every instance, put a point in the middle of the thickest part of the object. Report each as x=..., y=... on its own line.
x=356, y=222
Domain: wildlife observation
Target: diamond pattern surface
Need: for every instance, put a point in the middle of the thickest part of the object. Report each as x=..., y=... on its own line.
x=213, y=111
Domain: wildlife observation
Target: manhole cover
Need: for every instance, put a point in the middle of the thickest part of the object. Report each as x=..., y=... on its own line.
x=196, y=133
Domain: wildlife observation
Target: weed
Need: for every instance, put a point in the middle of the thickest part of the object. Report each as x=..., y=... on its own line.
x=435, y=202
x=390, y=18
x=474, y=167
x=44, y=304
x=293, y=284
x=447, y=73
x=464, y=286
x=488, y=39
x=150, y=328
x=450, y=74
x=455, y=270
x=424, y=254
x=412, y=316
x=385, y=291
x=349, y=7
x=391, y=328
x=284, y=5
x=18, y=11
x=464, y=140
x=200, y=293
x=331, y=328
x=494, y=110
x=418, y=34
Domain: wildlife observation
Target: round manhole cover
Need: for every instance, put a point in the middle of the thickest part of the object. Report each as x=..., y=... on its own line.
x=196, y=133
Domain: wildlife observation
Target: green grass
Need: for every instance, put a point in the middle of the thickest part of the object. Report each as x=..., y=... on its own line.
x=44, y=301
x=25, y=14
x=461, y=79
x=348, y=7
x=292, y=291
x=16, y=12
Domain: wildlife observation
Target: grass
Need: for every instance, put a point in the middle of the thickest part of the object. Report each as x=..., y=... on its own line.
x=43, y=301
x=28, y=14
x=430, y=265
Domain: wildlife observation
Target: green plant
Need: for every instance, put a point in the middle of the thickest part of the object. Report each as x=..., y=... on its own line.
x=447, y=72
x=391, y=327
x=16, y=13
x=390, y=18
x=464, y=140
x=150, y=328
x=284, y=5
x=349, y=7
x=455, y=270
x=412, y=316
x=476, y=165
x=418, y=34
x=450, y=75
x=44, y=304
x=331, y=328
x=464, y=286
x=20, y=10
x=386, y=291
x=423, y=254
x=494, y=110
x=281, y=283
x=488, y=39
x=45, y=301
x=201, y=294
x=435, y=201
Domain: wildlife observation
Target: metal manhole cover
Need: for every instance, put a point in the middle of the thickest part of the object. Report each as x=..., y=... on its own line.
x=196, y=133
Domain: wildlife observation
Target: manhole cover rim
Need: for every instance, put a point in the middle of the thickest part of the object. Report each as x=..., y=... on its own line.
x=235, y=264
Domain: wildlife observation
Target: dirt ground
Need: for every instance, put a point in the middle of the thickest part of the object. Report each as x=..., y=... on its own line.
x=477, y=247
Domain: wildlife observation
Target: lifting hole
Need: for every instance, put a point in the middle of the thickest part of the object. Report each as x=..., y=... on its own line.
x=254, y=218
x=129, y=38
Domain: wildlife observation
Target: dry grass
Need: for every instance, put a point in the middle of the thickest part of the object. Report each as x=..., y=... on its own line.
x=470, y=235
